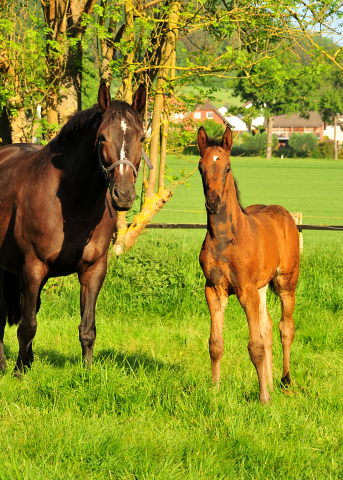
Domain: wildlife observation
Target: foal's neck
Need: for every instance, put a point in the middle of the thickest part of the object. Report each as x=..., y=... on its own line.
x=226, y=222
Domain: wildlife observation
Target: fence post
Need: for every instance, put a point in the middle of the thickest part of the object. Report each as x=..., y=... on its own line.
x=298, y=218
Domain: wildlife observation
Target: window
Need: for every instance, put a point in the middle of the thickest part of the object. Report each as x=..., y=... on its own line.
x=197, y=115
x=209, y=114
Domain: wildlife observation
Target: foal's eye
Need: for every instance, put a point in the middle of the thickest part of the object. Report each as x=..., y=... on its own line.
x=142, y=139
x=102, y=138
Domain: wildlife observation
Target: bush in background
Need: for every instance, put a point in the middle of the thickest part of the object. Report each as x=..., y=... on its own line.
x=253, y=144
x=302, y=142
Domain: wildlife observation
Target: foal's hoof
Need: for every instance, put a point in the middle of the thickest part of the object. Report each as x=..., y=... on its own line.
x=286, y=380
x=265, y=401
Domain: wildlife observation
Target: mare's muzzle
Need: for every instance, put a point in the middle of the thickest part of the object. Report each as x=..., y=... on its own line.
x=123, y=196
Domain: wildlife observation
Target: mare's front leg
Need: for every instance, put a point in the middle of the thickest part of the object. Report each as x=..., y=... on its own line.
x=249, y=298
x=216, y=299
x=3, y=309
x=91, y=280
x=30, y=282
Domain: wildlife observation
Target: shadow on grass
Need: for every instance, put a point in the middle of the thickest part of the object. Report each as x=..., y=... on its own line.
x=55, y=357
x=132, y=362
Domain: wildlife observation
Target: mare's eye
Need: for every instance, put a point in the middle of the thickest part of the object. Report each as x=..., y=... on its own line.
x=142, y=139
x=102, y=138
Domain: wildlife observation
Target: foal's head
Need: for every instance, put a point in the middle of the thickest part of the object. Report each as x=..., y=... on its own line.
x=120, y=140
x=214, y=167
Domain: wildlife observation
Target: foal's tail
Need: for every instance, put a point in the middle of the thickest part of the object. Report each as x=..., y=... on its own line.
x=11, y=292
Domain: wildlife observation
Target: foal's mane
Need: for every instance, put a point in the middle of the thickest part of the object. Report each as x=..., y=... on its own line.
x=217, y=142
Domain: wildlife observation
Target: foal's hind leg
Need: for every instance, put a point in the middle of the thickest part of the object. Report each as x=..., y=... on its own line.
x=3, y=309
x=266, y=330
x=216, y=301
x=286, y=325
x=91, y=280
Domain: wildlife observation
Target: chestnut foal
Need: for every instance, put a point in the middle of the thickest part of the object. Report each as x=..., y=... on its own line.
x=243, y=251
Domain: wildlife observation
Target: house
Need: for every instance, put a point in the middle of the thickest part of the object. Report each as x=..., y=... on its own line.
x=207, y=111
x=285, y=125
x=238, y=125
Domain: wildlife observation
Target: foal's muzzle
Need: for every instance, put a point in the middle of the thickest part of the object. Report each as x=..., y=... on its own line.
x=213, y=204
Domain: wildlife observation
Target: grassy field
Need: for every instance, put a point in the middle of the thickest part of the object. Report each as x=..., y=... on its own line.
x=146, y=409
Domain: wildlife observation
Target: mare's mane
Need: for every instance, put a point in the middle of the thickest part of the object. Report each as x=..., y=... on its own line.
x=91, y=120
x=217, y=142
x=93, y=117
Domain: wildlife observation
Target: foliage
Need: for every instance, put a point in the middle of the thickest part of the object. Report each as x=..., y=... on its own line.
x=254, y=144
x=301, y=142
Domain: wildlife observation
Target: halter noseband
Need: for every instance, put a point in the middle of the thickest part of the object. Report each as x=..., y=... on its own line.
x=106, y=171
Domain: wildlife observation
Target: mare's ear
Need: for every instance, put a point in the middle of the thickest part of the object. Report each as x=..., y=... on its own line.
x=138, y=102
x=202, y=140
x=227, y=140
x=104, y=97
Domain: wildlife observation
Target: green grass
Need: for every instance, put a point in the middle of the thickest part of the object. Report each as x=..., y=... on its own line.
x=313, y=187
x=146, y=409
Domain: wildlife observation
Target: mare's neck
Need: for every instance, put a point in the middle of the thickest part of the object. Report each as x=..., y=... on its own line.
x=83, y=178
x=230, y=217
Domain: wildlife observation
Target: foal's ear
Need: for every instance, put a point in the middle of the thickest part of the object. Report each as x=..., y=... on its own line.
x=227, y=140
x=202, y=140
x=138, y=102
x=104, y=97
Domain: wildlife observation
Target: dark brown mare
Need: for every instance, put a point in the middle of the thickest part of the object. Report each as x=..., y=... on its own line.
x=58, y=212
x=243, y=251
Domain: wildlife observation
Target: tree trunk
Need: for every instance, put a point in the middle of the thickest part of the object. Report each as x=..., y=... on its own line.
x=125, y=90
x=64, y=62
x=335, y=137
x=19, y=127
x=269, y=137
x=162, y=77
x=153, y=202
x=5, y=128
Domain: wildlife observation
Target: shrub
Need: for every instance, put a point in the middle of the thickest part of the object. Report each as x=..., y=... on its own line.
x=325, y=149
x=301, y=143
x=254, y=144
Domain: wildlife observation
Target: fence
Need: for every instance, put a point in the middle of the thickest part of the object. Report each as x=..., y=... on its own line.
x=297, y=216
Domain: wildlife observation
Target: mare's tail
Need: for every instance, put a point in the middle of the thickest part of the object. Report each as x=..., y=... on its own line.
x=11, y=291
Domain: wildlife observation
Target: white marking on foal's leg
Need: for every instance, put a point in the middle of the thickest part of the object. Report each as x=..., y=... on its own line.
x=266, y=332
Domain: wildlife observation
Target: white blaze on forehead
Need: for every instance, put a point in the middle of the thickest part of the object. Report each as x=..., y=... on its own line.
x=215, y=158
x=122, y=151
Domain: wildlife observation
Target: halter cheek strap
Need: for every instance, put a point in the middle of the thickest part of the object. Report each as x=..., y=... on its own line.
x=106, y=171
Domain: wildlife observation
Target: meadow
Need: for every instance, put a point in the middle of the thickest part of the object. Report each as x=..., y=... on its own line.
x=146, y=409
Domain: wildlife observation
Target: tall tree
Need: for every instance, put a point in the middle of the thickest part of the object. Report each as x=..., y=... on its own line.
x=278, y=87
x=64, y=54
x=330, y=102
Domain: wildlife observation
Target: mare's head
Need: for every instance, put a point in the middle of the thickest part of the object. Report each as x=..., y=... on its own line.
x=119, y=141
x=214, y=167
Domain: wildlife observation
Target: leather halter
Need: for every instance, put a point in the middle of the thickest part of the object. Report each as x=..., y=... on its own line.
x=106, y=171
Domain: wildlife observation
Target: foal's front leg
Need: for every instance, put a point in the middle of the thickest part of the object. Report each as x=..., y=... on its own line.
x=91, y=280
x=216, y=300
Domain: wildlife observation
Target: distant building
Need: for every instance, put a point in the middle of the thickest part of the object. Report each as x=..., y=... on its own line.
x=208, y=111
x=285, y=125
